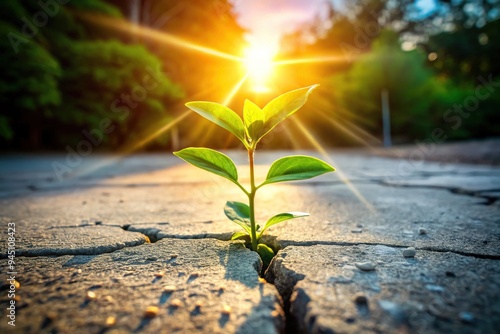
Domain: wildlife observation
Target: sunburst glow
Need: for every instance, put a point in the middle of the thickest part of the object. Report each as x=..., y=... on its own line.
x=258, y=61
x=259, y=65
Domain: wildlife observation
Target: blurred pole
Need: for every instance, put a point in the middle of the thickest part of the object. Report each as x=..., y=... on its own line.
x=174, y=133
x=135, y=17
x=386, y=118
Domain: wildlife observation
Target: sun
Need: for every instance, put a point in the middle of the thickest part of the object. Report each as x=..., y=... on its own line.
x=258, y=61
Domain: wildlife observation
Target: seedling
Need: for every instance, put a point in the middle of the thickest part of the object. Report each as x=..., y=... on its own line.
x=256, y=124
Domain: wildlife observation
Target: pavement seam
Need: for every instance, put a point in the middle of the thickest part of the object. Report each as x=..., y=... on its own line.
x=454, y=190
x=286, y=243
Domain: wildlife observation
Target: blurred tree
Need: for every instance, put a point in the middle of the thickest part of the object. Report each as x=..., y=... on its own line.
x=460, y=40
x=28, y=89
x=210, y=24
x=412, y=87
x=467, y=52
x=58, y=79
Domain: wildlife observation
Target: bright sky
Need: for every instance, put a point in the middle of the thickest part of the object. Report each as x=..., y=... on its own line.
x=267, y=20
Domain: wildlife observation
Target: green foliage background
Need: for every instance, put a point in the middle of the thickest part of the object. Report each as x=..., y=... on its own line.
x=73, y=74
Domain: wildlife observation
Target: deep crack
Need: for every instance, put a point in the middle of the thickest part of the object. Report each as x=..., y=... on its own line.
x=287, y=243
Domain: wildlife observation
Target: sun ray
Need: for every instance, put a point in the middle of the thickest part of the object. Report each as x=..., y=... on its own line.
x=122, y=25
x=337, y=124
x=293, y=140
x=311, y=60
x=335, y=118
x=128, y=150
x=226, y=101
x=235, y=90
x=313, y=141
x=158, y=132
x=363, y=132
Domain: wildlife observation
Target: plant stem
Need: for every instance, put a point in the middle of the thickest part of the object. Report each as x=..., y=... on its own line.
x=251, y=198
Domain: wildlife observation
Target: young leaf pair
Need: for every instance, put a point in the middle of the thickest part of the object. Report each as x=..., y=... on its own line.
x=256, y=123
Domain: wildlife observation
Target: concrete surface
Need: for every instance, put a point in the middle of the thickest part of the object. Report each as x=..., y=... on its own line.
x=198, y=286
x=98, y=220
x=433, y=292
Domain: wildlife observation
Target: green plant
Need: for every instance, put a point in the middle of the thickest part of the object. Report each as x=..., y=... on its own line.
x=256, y=124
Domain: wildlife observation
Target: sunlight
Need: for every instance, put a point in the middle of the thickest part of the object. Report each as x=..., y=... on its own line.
x=128, y=150
x=163, y=37
x=258, y=62
x=327, y=158
x=312, y=60
x=227, y=100
x=234, y=91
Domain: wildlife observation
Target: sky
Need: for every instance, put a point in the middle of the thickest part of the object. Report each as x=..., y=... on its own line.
x=267, y=20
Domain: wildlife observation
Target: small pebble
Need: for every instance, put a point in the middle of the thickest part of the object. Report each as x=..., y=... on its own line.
x=409, y=252
x=434, y=288
x=466, y=317
x=109, y=299
x=151, y=312
x=360, y=298
x=365, y=266
x=357, y=230
x=359, y=225
x=169, y=289
x=90, y=295
x=176, y=303
x=159, y=274
x=110, y=321
x=422, y=231
x=226, y=309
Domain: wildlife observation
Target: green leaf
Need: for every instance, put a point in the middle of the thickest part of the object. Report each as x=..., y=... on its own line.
x=239, y=213
x=241, y=235
x=281, y=218
x=253, y=118
x=266, y=253
x=220, y=115
x=210, y=160
x=297, y=167
x=284, y=106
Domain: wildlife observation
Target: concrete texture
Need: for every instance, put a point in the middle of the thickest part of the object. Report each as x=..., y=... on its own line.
x=198, y=286
x=433, y=292
x=93, y=227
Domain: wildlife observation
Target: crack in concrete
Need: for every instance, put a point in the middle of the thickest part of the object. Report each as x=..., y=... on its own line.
x=289, y=278
x=286, y=243
x=454, y=190
x=77, y=251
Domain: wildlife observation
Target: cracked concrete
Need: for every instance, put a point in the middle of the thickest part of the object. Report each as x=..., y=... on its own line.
x=80, y=234
x=429, y=293
x=196, y=285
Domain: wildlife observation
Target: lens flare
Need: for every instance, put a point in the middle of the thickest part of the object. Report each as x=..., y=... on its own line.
x=309, y=136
